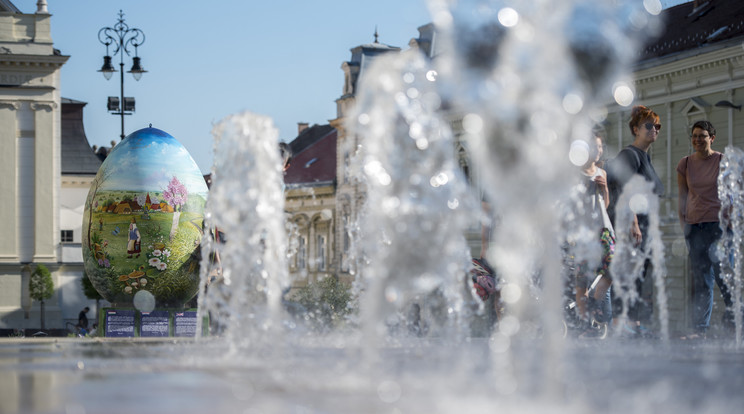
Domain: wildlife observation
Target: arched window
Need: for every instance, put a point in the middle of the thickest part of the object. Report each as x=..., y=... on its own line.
x=298, y=241
x=321, y=249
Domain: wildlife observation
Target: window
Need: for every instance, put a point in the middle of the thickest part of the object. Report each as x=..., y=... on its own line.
x=321, y=249
x=347, y=166
x=347, y=235
x=66, y=236
x=301, y=249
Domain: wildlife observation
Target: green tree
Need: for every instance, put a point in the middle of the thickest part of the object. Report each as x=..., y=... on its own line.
x=89, y=291
x=325, y=302
x=41, y=287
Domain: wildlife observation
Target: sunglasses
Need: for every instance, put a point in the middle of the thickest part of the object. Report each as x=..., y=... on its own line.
x=650, y=125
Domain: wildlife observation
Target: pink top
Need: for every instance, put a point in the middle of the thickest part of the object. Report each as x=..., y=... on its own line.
x=702, y=188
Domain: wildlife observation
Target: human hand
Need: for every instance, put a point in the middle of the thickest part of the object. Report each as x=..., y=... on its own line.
x=635, y=234
x=601, y=182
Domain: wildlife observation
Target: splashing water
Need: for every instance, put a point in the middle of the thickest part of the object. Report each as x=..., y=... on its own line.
x=528, y=78
x=418, y=204
x=630, y=260
x=247, y=202
x=410, y=254
x=518, y=121
x=731, y=194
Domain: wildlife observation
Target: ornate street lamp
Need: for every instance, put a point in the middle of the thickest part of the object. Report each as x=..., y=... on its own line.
x=121, y=37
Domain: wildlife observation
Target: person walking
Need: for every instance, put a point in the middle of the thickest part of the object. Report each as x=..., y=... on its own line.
x=83, y=321
x=634, y=159
x=698, y=209
x=595, y=303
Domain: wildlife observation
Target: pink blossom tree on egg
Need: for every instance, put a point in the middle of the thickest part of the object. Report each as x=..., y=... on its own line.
x=176, y=195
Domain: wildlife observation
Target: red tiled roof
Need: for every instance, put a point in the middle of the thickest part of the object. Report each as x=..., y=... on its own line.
x=316, y=162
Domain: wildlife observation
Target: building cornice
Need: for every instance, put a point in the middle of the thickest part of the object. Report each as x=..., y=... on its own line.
x=33, y=61
x=43, y=105
x=704, y=62
x=692, y=75
x=10, y=104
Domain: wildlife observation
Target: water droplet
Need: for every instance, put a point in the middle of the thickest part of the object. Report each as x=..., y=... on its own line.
x=415, y=130
x=363, y=119
x=623, y=94
x=652, y=6
x=442, y=18
x=391, y=294
x=508, y=17
x=390, y=204
x=598, y=115
x=572, y=103
x=384, y=179
x=509, y=325
x=511, y=293
x=408, y=77
x=431, y=75
x=679, y=247
x=422, y=143
x=639, y=204
x=472, y=123
x=579, y=153
x=439, y=180
x=144, y=301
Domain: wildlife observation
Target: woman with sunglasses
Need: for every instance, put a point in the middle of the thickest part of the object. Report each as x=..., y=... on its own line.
x=698, y=208
x=634, y=159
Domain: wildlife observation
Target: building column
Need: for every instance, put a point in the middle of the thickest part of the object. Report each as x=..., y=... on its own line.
x=671, y=170
x=730, y=125
x=8, y=187
x=45, y=236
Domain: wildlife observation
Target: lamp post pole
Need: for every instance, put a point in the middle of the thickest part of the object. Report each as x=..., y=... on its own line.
x=120, y=37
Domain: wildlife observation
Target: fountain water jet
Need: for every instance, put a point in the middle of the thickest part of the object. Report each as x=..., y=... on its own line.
x=418, y=204
x=630, y=260
x=731, y=194
x=247, y=202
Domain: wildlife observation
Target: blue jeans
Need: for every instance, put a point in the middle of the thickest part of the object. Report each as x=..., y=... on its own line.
x=702, y=243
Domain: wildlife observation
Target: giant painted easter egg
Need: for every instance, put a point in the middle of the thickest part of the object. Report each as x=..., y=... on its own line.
x=143, y=221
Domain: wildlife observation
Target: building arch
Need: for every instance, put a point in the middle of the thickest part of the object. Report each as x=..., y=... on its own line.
x=298, y=242
x=321, y=241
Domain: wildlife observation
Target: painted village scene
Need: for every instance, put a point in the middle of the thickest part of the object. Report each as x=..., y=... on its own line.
x=143, y=221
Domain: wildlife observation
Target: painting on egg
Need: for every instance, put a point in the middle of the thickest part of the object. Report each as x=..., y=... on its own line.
x=143, y=221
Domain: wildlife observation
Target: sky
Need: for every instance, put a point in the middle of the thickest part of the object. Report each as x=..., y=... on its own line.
x=208, y=60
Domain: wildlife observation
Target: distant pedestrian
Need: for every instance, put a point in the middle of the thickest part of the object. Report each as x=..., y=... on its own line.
x=83, y=321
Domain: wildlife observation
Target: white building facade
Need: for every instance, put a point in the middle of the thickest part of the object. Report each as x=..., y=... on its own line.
x=30, y=120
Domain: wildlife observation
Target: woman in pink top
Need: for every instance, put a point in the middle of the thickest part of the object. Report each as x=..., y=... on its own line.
x=697, y=179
